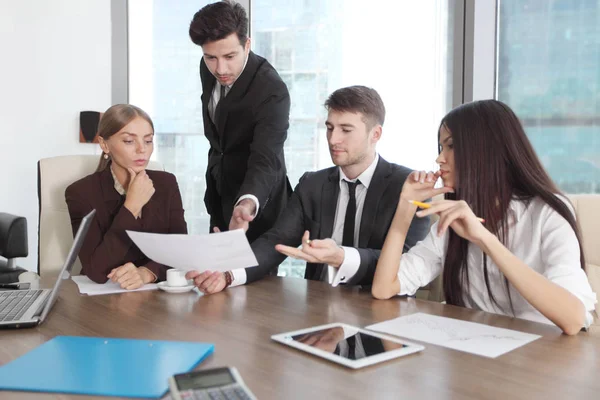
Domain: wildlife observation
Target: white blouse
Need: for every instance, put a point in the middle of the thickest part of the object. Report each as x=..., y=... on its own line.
x=538, y=235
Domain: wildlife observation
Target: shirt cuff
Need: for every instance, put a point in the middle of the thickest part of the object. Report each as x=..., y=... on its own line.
x=251, y=197
x=239, y=277
x=349, y=266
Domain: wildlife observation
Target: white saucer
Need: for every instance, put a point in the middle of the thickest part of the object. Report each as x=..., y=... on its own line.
x=174, y=289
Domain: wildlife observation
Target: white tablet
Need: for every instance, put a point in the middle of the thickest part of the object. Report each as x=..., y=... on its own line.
x=347, y=345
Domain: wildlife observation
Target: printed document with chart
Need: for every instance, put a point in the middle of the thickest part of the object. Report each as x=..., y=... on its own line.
x=222, y=251
x=471, y=337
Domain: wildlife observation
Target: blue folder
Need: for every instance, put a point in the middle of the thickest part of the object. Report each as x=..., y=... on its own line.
x=102, y=366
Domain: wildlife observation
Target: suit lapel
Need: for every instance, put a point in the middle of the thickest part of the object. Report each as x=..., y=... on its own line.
x=329, y=198
x=329, y=195
x=112, y=199
x=237, y=91
x=375, y=192
x=109, y=193
x=208, y=84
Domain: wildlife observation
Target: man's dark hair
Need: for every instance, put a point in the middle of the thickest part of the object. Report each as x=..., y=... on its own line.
x=218, y=20
x=358, y=99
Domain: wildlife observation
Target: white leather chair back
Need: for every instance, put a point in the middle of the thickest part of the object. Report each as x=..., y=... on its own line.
x=55, y=235
x=587, y=209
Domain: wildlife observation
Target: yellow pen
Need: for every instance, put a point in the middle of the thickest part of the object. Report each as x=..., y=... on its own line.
x=427, y=205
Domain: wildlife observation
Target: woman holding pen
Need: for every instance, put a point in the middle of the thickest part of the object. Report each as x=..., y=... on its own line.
x=524, y=260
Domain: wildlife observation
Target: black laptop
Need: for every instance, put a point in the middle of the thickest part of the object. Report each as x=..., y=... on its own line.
x=28, y=308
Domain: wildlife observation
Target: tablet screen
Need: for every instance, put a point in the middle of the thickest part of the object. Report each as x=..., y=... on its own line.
x=347, y=342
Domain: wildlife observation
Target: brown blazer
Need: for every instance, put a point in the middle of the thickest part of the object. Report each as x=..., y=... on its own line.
x=107, y=245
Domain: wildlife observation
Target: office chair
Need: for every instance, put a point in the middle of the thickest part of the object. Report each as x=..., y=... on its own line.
x=13, y=244
x=55, y=234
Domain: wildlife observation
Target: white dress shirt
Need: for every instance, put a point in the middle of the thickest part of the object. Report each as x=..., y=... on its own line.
x=216, y=93
x=351, y=261
x=538, y=236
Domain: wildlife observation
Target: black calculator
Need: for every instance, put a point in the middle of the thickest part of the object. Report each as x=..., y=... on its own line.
x=210, y=384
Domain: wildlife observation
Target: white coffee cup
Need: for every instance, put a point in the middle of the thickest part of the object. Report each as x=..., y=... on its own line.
x=176, y=277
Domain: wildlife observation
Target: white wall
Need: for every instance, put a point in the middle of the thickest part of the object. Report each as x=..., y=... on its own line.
x=56, y=62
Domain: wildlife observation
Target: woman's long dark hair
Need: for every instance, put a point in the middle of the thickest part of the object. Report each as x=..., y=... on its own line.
x=494, y=162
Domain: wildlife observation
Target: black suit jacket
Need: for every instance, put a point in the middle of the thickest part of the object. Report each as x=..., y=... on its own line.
x=246, y=145
x=107, y=245
x=312, y=207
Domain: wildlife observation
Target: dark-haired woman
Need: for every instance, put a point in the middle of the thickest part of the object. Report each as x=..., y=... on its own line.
x=126, y=196
x=525, y=260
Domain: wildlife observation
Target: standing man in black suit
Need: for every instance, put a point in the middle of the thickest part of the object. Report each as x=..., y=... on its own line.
x=245, y=106
x=340, y=215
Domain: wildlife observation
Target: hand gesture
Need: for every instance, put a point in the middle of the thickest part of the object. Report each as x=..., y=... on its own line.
x=208, y=282
x=242, y=215
x=139, y=192
x=458, y=216
x=419, y=186
x=324, y=251
x=129, y=277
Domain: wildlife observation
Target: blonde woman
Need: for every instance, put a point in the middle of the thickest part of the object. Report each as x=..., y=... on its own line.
x=125, y=196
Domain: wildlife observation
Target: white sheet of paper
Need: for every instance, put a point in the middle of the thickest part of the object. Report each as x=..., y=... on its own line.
x=91, y=288
x=483, y=340
x=222, y=251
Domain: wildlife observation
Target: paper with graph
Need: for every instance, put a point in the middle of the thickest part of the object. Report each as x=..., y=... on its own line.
x=483, y=340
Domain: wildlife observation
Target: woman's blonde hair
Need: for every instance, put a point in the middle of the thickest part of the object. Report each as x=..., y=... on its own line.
x=113, y=120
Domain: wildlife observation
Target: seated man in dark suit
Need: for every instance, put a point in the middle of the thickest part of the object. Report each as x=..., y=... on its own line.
x=341, y=214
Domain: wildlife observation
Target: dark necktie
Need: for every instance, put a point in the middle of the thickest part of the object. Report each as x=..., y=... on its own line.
x=348, y=237
x=221, y=98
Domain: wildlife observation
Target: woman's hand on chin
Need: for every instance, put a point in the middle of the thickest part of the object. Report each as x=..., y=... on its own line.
x=419, y=186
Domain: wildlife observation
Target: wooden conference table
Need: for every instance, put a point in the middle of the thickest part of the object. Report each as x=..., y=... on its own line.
x=241, y=320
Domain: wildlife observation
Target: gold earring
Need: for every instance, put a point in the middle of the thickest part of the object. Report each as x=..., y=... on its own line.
x=106, y=156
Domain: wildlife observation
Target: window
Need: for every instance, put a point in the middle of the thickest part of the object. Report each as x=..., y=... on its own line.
x=549, y=73
x=402, y=49
x=165, y=82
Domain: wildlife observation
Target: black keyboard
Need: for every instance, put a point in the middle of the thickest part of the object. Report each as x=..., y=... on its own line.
x=14, y=303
